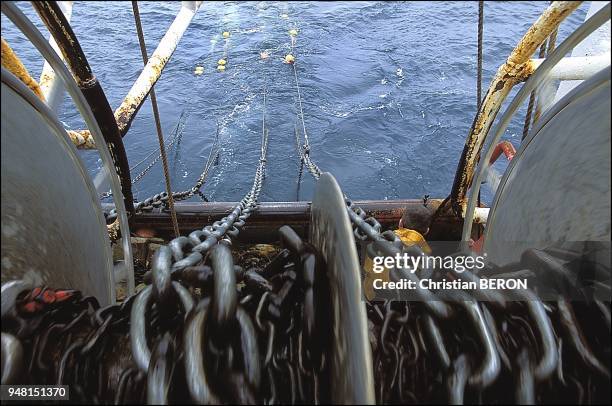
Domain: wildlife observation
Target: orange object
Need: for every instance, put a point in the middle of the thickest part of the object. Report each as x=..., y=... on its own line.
x=506, y=147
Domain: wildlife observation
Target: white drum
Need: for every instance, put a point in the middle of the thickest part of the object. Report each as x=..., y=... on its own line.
x=557, y=187
x=52, y=222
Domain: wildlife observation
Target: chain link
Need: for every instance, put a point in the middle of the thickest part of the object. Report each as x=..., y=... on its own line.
x=272, y=345
x=177, y=135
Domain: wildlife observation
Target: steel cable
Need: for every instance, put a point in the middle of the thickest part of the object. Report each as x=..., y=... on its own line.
x=479, y=73
x=160, y=136
x=177, y=135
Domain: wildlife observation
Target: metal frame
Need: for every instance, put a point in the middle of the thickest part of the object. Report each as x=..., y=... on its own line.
x=574, y=95
x=41, y=44
x=515, y=70
x=540, y=75
x=57, y=24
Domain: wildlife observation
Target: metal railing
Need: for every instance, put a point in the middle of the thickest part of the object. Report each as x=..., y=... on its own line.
x=534, y=80
x=518, y=68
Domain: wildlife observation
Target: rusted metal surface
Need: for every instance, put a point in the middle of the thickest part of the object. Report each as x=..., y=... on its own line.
x=582, y=32
x=516, y=69
x=114, y=230
x=52, y=89
x=11, y=61
x=269, y=216
x=154, y=67
x=125, y=113
x=80, y=140
x=74, y=56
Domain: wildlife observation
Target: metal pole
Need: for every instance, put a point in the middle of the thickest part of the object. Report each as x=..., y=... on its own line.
x=154, y=67
x=576, y=67
x=125, y=113
x=160, y=135
x=51, y=88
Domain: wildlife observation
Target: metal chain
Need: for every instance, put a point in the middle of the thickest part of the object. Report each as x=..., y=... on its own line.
x=368, y=228
x=161, y=198
x=177, y=135
x=278, y=352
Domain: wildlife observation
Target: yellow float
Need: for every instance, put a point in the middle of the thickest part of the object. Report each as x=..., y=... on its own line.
x=198, y=70
x=289, y=58
x=293, y=33
x=221, y=68
x=222, y=62
x=226, y=34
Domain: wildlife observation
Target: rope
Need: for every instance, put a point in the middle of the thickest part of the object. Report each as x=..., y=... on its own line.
x=299, y=94
x=160, y=136
x=479, y=79
x=531, y=101
x=479, y=73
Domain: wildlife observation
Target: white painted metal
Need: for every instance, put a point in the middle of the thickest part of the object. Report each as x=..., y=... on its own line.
x=557, y=187
x=52, y=89
x=36, y=38
x=597, y=43
x=152, y=71
x=62, y=240
x=331, y=233
x=577, y=67
x=481, y=215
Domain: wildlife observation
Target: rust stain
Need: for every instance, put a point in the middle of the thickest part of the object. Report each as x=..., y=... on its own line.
x=46, y=79
x=81, y=139
x=516, y=69
x=126, y=111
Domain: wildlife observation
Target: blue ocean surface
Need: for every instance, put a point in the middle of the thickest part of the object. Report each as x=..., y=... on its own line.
x=388, y=89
